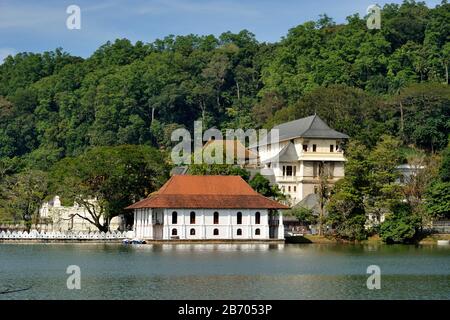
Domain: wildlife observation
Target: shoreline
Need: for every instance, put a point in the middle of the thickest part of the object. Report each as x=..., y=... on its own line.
x=306, y=239
x=314, y=239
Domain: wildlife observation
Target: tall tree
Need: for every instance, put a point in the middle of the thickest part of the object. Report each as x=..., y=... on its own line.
x=105, y=180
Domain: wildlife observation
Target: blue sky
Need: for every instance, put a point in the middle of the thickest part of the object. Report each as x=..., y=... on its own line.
x=38, y=26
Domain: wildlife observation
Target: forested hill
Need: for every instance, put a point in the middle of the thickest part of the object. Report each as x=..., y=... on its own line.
x=362, y=82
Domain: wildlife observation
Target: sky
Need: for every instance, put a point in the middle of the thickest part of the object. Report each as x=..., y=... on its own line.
x=37, y=26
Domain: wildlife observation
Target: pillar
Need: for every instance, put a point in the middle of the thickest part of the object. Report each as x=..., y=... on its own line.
x=280, y=226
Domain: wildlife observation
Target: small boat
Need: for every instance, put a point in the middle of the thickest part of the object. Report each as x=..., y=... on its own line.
x=133, y=241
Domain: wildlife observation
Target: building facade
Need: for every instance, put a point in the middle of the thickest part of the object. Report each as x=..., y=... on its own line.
x=69, y=218
x=305, y=150
x=207, y=208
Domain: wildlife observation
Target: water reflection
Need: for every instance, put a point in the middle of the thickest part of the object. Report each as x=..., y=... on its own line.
x=225, y=271
x=210, y=247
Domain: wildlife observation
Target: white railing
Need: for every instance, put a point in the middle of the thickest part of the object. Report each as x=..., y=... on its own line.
x=35, y=235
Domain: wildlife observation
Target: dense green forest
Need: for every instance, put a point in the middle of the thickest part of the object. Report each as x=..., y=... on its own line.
x=366, y=83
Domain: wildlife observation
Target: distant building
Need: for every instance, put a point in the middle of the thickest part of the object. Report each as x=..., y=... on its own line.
x=306, y=148
x=241, y=155
x=207, y=208
x=67, y=218
x=407, y=172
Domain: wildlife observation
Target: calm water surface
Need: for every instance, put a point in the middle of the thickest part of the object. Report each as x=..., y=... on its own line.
x=224, y=271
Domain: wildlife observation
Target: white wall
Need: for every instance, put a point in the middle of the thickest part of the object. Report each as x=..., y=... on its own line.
x=204, y=224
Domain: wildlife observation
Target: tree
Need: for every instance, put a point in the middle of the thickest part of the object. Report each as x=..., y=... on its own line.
x=438, y=200
x=24, y=195
x=444, y=169
x=260, y=184
x=437, y=196
x=323, y=193
x=382, y=188
x=346, y=210
x=218, y=169
x=304, y=215
x=114, y=177
x=400, y=226
x=426, y=115
x=414, y=186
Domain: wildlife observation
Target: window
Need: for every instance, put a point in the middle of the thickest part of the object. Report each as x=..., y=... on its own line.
x=314, y=147
x=289, y=189
x=305, y=147
x=174, y=232
x=257, y=218
x=331, y=147
x=216, y=232
x=192, y=232
x=289, y=170
x=192, y=217
x=284, y=171
x=239, y=232
x=295, y=189
x=257, y=232
x=174, y=217
x=216, y=218
x=239, y=218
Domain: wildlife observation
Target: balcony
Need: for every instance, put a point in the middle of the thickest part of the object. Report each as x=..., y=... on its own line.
x=322, y=156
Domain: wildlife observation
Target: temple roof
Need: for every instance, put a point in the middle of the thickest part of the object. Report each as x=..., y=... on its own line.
x=207, y=192
x=287, y=154
x=309, y=127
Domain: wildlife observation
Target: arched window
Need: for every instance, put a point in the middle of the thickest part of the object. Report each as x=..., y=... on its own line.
x=192, y=217
x=174, y=217
x=239, y=232
x=239, y=218
x=257, y=218
x=192, y=232
x=174, y=232
x=216, y=218
x=257, y=232
x=216, y=232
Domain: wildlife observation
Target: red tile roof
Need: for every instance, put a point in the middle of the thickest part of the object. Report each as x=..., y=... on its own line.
x=207, y=192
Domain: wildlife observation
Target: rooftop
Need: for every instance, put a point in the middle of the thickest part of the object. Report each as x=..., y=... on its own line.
x=235, y=146
x=207, y=192
x=309, y=127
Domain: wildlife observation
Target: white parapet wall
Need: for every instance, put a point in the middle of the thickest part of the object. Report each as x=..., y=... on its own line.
x=36, y=235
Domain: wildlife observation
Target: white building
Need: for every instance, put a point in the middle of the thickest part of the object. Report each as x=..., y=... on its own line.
x=69, y=218
x=408, y=172
x=207, y=208
x=304, y=149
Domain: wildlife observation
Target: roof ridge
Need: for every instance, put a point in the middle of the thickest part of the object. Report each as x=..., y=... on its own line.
x=292, y=121
x=312, y=121
x=165, y=185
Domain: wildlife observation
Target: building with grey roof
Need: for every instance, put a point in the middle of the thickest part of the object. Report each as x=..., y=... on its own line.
x=298, y=153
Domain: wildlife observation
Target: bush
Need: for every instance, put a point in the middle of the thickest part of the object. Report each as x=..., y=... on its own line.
x=401, y=226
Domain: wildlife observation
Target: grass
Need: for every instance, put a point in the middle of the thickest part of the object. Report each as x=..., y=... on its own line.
x=432, y=239
x=308, y=238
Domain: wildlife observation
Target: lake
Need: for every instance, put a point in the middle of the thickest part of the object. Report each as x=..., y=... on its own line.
x=224, y=271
